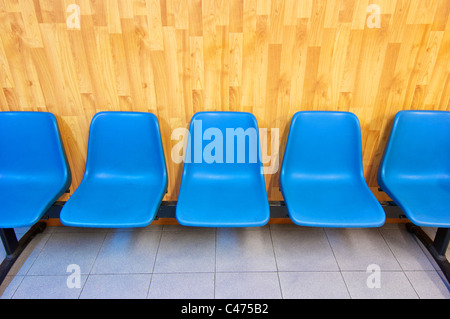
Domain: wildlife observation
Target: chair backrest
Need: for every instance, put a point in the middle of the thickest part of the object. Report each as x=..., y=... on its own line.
x=223, y=144
x=419, y=146
x=323, y=145
x=125, y=145
x=31, y=147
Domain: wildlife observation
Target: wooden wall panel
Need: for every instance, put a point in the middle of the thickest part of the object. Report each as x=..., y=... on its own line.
x=268, y=57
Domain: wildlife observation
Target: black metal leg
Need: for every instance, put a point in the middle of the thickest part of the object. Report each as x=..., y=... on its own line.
x=9, y=240
x=437, y=248
x=14, y=248
x=441, y=241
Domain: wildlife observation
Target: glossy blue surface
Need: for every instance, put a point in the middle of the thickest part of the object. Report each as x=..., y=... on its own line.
x=33, y=168
x=125, y=178
x=223, y=181
x=415, y=170
x=322, y=178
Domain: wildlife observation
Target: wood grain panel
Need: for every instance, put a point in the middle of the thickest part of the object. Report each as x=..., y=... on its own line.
x=268, y=57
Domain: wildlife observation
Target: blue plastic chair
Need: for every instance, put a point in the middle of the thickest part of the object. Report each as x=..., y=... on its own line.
x=415, y=170
x=223, y=181
x=34, y=171
x=125, y=178
x=322, y=178
x=415, y=173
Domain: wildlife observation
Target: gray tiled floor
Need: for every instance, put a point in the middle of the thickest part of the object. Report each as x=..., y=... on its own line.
x=275, y=261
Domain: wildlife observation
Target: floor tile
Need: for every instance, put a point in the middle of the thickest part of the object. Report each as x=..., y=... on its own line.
x=259, y=285
x=150, y=227
x=406, y=249
x=67, y=229
x=64, y=249
x=182, y=286
x=19, y=232
x=393, y=285
x=127, y=252
x=431, y=232
x=176, y=262
x=244, y=250
x=47, y=287
x=125, y=286
x=29, y=254
x=428, y=284
x=179, y=228
x=9, y=286
x=356, y=249
x=303, y=250
x=186, y=251
x=313, y=285
x=290, y=226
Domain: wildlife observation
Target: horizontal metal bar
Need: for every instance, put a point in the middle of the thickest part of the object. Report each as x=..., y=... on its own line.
x=277, y=210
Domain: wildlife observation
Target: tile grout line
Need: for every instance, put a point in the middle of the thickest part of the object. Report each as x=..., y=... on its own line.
x=39, y=253
x=26, y=274
x=154, y=263
x=337, y=263
x=276, y=263
x=93, y=263
x=15, y=290
x=426, y=252
x=400, y=265
x=327, y=234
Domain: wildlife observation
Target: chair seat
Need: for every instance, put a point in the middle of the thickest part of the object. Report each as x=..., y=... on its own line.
x=34, y=171
x=322, y=176
x=125, y=177
x=415, y=169
x=113, y=204
x=24, y=201
x=223, y=203
x=425, y=203
x=229, y=191
x=333, y=204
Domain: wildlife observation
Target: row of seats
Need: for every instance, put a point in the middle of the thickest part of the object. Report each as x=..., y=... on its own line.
x=321, y=179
